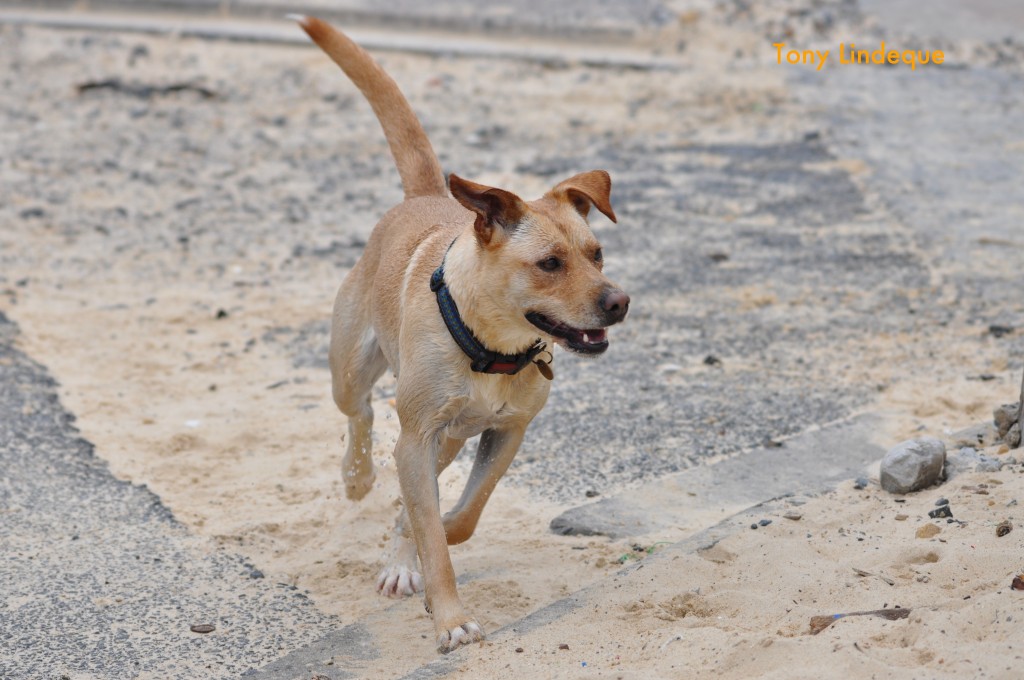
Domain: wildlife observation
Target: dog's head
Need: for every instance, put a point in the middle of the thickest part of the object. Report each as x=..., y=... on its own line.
x=541, y=262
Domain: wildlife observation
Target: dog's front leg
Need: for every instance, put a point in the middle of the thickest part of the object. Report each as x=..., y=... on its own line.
x=416, y=458
x=493, y=456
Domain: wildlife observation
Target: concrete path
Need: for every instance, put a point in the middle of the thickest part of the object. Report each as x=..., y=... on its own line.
x=97, y=580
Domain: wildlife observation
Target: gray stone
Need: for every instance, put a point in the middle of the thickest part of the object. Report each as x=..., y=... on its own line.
x=1005, y=416
x=1013, y=436
x=912, y=465
x=988, y=464
x=963, y=460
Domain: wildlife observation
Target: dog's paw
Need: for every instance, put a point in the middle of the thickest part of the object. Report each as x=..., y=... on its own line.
x=453, y=638
x=397, y=581
x=358, y=485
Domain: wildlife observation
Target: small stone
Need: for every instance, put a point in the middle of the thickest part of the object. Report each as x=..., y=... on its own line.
x=988, y=464
x=563, y=646
x=861, y=483
x=1013, y=436
x=255, y=573
x=927, y=531
x=1005, y=527
x=712, y=360
x=913, y=464
x=222, y=314
x=1004, y=417
x=202, y=628
x=941, y=511
x=765, y=522
x=669, y=369
x=901, y=517
x=591, y=493
x=754, y=525
x=519, y=650
x=793, y=515
x=1018, y=582
x=963, y=460
x=942, y=501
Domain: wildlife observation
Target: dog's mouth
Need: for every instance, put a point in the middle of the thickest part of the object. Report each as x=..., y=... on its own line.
x=583, y=341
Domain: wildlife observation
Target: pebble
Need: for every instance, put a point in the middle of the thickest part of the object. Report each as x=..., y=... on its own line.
x=754, y=525
x=765, y=522
x=988, y=464
x=942, y=501
x=793, y=514
x=901, y=517
x=1005, y=416
x=202, y=628
x=861, y=483
x=927, y=531
x=941, y=511
x=913, y=464
x=1004, y=528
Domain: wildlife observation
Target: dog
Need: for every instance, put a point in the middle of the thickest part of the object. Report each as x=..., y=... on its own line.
x=460, y=290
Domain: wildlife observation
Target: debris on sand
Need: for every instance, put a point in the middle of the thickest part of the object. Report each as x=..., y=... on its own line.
x=820, y=623
x=142, y=90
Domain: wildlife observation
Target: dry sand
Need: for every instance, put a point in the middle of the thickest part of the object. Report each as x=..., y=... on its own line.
x=244, y=447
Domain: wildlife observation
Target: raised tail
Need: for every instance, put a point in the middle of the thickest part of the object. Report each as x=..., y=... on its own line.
x=414, y=156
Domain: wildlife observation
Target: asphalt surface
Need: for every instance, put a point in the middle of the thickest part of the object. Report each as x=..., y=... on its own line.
x=97, y=579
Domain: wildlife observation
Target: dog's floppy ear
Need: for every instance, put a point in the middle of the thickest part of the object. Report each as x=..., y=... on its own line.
x=582, y=190
x=493, y=207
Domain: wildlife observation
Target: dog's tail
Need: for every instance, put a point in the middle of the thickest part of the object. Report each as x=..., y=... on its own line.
x=417, y=163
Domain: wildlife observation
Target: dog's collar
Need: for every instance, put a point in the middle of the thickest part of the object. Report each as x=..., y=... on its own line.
x=483, y=359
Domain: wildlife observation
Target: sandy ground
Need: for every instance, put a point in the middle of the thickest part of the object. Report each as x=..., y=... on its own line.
x=212, y=414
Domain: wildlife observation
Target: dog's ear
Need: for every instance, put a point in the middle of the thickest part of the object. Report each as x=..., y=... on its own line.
x=494, y=208
x=586, y=188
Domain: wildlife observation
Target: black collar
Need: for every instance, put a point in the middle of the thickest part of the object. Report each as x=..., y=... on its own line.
x=483, y=359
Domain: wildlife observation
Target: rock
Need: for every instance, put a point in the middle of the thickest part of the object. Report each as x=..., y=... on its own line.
x=963, y=460
x=988, y=464
x=941, y=511
x=1013, y=436
x=942, y=501
x=912, y=465
x=1005, y=416
x=861, y=483
x=927, y=531
x=793, y=515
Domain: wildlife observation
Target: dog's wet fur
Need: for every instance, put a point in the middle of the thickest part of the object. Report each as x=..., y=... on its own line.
x=517, y=270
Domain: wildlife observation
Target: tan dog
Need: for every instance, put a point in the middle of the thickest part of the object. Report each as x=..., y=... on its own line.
x=457, y=296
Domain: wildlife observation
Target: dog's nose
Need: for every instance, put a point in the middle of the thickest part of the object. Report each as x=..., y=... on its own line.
x=614, y=303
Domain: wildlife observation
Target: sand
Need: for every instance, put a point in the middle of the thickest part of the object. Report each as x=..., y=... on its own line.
x=211, y=412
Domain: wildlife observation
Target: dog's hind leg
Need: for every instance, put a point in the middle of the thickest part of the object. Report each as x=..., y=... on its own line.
x=356, y=364
x=494, y=455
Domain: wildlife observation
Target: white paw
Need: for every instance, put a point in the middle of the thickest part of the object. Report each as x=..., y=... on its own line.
x=397, y=581
x=455, y=637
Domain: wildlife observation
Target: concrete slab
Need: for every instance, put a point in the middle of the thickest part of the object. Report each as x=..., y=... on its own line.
x=808, y=463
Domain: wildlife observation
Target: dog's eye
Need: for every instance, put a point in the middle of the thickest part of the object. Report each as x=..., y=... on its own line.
x=550, y=264
x=598, y=256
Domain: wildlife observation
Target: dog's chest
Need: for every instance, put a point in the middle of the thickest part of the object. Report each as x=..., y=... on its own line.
x=491, y=403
